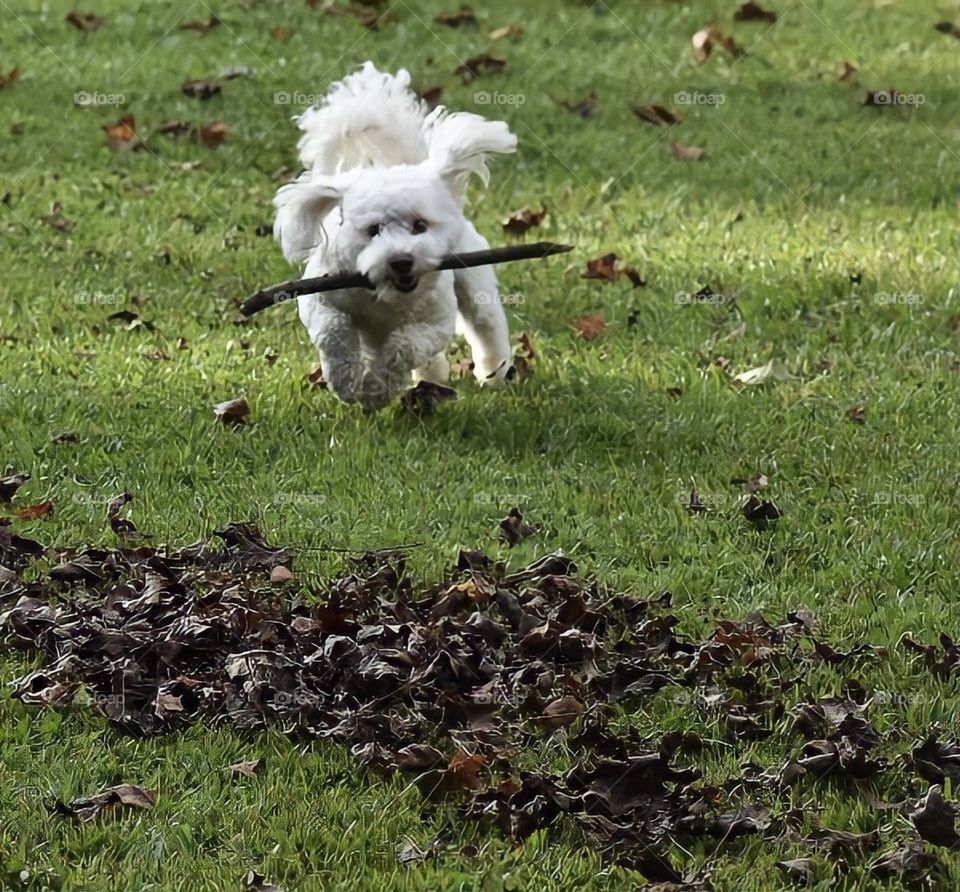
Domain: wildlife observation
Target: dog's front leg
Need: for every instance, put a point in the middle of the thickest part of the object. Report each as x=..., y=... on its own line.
x=405, y=349
x=481, y=315
x=337, y=339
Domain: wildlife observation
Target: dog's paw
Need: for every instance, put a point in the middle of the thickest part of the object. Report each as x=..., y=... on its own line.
x=345, y=380
x=491, y=372
x=377, y=388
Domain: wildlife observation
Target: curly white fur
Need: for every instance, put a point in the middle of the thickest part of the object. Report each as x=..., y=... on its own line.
x=382, y=194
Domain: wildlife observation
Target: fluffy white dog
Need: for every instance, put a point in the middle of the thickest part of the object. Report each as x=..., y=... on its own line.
x=382, y=194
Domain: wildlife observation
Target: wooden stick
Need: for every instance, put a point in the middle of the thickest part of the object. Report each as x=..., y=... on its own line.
x=277, y=294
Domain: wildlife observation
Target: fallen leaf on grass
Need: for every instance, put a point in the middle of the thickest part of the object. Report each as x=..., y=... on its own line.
x=526, y=345
x=200, y=89
x=799, y=868
x=56, y=220
x=131, y=321
x=687, y=153
x=657, y=114
x=66, y=437
x=232, y=412
x=121, y=134
x=510, y=30
x=9, y=485
x=474, y=67
x=202, y=26
x=948, y=28
x=431, y=96
x=608, y=268
x=751, y=12
x=123, y=794
x=513, y=529
x=426, y=397
x=247, y=768
x=35, y=511
x=409, y=853
x=520, y=222
x=561, y=713
x=590, y=327
x=857, y=414
x=908, y=864
x=280, y=575
x=174, y=128
x=935, y=761
x=84, y=21
x=935, y=819
x=758, y=510
x=120, y=526
x=845, y=72
x=458, y=19
x=10, y=78
x=584, y=107
x=214, y=133
x=259, y=883
x=772, y=371
x=706, y=39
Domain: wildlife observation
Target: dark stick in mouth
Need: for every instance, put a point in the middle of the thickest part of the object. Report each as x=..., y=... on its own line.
x=277, y=294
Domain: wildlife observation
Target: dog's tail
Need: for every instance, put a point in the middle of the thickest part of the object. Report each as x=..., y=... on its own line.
x=369, y=119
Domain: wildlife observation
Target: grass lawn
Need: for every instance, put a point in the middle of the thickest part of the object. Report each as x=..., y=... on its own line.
x=825, y=228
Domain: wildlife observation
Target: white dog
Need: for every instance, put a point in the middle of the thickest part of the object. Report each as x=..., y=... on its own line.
x=382, y=194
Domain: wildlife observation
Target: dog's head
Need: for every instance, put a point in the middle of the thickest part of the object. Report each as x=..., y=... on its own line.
x=396, y=223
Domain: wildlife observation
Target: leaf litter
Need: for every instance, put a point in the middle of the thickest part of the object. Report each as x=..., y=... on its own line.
x=447, y=683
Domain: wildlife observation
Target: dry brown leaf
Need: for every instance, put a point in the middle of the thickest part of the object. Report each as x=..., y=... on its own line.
x=510, y=30
x=84, y=21
x=472, y=68
x=751, y=12
x=590, y=327
x=584, y=107
x=10, y=78
x=687, y=153
x=657, y=114
x=35, y=511
x=520, y=222
x=202, y=26
x=214, y=133
x=457, y=19
x=121, y=134
x=232, y=412
x=706, y=39
x=174, y=128
x=948, y=28
x=200, y=89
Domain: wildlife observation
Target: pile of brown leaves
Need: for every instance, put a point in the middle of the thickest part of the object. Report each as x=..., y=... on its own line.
x=449, y=683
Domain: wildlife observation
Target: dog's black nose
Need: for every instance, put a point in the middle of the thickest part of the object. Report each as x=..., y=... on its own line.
x=402, y=264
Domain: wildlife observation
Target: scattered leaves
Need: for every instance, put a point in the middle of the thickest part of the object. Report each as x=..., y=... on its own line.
x=201, y=89
x=658, y=115
x=84, y=21
x=590, y=327
x=35, y=511
x=520, y=222
x=474, y=67
x=513, y=529
x=232, y=412
x=458, y=19
x=706, y=39
x=751, y=12
x=9, y=485
x=86, y=810
x=425, y=397
x=584, y=107
x=214, y=133
x=121, y=134
x=686, y=153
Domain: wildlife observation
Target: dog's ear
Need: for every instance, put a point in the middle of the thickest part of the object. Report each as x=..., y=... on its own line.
x=301, y=207
x=459, y=144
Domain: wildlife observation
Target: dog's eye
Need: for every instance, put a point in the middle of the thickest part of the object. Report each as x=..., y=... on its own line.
x=419, y=226
x=373, y=231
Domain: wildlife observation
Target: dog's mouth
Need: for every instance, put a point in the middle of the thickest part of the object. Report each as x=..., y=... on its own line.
x=405, y=284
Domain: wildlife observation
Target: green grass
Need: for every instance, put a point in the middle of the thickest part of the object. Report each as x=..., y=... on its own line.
x=809, y=207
